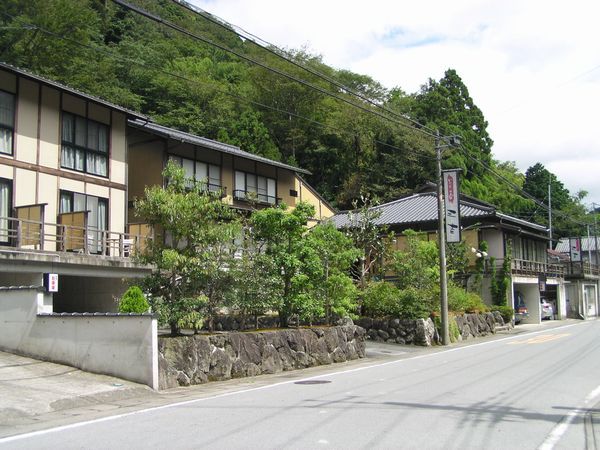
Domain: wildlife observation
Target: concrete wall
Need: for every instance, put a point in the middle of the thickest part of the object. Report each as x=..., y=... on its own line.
x=118, y=345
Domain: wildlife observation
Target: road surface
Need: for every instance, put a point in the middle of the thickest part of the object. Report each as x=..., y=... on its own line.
x=538, y=390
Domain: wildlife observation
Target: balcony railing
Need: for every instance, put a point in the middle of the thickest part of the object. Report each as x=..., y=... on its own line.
x=581, y=268
x=250, y=196
x=71, y=235
x=525, y=267
x=213, y=189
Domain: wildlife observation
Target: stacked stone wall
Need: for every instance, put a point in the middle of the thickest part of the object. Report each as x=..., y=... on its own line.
x=423, y=331
x=201, y=358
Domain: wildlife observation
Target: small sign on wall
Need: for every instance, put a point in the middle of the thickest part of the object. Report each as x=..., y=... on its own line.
x=51, y=282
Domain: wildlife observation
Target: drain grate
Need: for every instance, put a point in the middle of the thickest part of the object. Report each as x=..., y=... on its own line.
x=313, y=382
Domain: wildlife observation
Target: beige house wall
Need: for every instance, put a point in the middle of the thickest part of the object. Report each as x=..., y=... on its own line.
x=148, y=154
x=34, y=166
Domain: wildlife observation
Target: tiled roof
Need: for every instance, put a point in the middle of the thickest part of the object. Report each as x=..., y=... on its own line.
x=70, y=90
x=182, y=136
x=422, y=207
x=587, y=244
x=413, y=209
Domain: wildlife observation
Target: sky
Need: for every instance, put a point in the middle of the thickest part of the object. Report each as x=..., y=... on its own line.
x=532, y=66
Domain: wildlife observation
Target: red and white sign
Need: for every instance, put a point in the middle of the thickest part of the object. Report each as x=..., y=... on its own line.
x=575, y=249
x=452, y=206
x=51, y=282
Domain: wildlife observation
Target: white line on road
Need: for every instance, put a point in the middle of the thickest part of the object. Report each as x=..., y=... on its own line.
x=561, y=428
x=258, y=388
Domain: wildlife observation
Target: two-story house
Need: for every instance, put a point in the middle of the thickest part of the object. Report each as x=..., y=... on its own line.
x=580, y=258
x=244, y=180
x=63, y=192
x=71, y=165
x=532, y=276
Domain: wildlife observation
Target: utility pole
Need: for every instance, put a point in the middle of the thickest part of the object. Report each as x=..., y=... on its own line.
x=595, y=232
x=442, y=244
x=550, y=213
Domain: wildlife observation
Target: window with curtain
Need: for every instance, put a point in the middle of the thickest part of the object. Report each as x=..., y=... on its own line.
x=200, y=171
x=97, y=216
x=5, y=209
x=84, y=145
x=7, y=122
x=262, y=187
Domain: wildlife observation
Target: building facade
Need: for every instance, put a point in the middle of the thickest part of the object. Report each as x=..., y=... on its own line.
x=63, y=192
x=532, y=276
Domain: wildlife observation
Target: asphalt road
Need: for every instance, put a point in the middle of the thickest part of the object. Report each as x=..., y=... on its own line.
x=529, y=391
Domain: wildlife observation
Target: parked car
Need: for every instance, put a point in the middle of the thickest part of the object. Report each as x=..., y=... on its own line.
x=547, y=309
x=521, y=311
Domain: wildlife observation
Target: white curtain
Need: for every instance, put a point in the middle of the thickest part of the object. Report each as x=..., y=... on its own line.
x=4, y=210
x=6, y=141
x=271, y=190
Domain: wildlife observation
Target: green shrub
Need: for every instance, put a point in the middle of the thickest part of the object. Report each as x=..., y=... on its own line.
x=385, y=299
x=460, y=301
x=133, y=301
x=506, y=312
x=380, y=298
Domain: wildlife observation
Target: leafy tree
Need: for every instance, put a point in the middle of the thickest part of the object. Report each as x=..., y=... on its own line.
x=368, y=237
x=570, y=210
x=283, y=233
x=193, y=251
x=331, y=287
x=258, y=285
x=447, y=105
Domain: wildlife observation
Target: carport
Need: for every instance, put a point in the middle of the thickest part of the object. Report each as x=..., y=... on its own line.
x=531, y=297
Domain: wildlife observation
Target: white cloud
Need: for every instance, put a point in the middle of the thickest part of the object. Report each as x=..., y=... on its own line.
x=525, y=63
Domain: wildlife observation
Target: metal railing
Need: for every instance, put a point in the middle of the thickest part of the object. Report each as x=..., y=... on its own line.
x=50, y=237
x=526, y=267
x=580, y=268
x=250, y=196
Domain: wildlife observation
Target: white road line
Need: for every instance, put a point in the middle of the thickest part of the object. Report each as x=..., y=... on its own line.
x=561, y=428
x=269, y=386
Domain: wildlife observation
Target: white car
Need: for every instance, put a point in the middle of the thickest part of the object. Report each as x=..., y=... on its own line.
x=547, y=309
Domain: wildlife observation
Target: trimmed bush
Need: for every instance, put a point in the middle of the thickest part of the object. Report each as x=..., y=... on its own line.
x=383, y=299
x=133, y=301
x=461, y=301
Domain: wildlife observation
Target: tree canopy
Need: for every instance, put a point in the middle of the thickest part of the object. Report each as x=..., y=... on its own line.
x=301, y=118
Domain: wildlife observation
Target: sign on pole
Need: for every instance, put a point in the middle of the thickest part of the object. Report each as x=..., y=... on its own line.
x=452, y=206
x=575, y=249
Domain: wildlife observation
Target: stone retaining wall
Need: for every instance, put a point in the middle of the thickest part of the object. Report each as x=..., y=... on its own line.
x=423, y=332
x=197, y=359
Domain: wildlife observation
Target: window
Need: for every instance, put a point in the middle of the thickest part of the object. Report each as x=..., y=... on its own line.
x=262, y=187
x=84, y=145
x=5, y=209
x=97, y=214
x=200, y=171
x=7, y=122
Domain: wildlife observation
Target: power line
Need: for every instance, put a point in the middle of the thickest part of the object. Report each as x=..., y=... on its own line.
x=200, y=83
x=288, y=57
x=520, y=190
x=182, y=30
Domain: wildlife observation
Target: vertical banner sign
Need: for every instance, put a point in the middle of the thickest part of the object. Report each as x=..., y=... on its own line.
x=51, y=282
x=452, y=206
x=575, y=249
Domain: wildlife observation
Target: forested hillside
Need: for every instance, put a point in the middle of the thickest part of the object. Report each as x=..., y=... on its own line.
x=197, y=75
